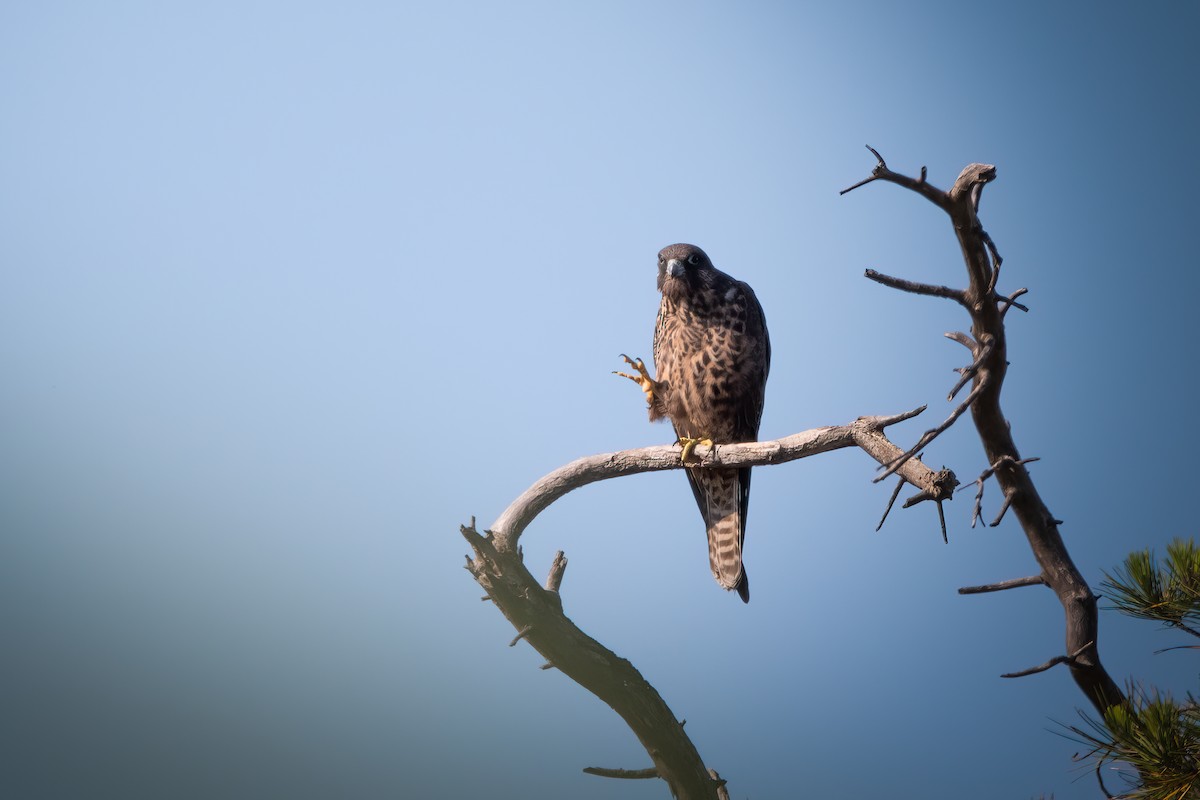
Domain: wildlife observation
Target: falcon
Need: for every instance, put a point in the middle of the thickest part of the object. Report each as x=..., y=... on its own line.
x=712, y=356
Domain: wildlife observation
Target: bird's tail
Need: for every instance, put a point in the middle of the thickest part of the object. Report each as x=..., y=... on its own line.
x=724, y=521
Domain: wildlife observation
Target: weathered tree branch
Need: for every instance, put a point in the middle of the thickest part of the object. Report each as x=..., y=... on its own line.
x=537, y=613
x=987, y=310
x=864, y=432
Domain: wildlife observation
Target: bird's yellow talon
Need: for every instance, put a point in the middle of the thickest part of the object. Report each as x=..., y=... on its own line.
x=642, y=378
x=689, y=445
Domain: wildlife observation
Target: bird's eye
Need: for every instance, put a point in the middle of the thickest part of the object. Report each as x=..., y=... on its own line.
x=694, y=259
x=660, y=258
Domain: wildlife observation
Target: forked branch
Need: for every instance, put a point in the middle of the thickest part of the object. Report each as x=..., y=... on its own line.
x=537, y=613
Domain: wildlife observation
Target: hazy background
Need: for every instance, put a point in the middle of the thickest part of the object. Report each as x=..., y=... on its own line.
x=288, y=291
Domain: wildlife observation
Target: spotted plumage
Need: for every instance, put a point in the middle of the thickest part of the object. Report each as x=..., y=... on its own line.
x=712, y=355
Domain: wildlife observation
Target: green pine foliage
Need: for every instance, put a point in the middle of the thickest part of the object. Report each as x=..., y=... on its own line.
x=1153, y=740
x=1167, y=593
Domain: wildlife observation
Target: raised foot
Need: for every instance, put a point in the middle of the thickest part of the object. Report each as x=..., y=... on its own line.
x=689, y=445
x=642, y=378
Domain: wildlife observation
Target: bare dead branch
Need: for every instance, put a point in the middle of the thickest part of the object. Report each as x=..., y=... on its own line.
x=521, y=634
x=963, y=339
x=991, y=246
x=891, y=502
x=967, y=373
x=865, y=433
x=557, y=568
x=625, y=774
x=537, y=613
x=1012, y=583
x=863, y=182
x=933, y=433
x=977, y=511
x=881, y=172
x=917, y=288
x=1052, y=662
x=1011, y=301
x=987, y=311
x=887, y=421
x=1004, y=506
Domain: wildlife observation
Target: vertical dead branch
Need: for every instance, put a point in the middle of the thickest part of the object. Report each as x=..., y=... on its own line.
x=987, y=310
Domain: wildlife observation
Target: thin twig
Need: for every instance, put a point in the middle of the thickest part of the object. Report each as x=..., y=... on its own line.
x=863, y=182
x=987, y=343
x=964, y=339
x=1052, y=662
x=1012, y=583
x=886, y=511
x=1004, y=506
x=915, y=287
x=521, y=634
x=881, y=172
x=977, y=511
x=1011, y=301
x=625, y=774
x=991, y=246
x=933, y=433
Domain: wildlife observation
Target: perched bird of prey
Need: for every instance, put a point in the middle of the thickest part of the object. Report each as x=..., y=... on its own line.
x=712, y=355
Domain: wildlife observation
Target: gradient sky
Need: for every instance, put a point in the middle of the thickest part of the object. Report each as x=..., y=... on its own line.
x=288, y=291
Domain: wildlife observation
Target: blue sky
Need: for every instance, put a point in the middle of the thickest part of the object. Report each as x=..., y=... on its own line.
x=290, y=291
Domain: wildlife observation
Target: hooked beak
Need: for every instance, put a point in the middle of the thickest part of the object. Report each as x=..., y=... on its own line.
x=675, y=268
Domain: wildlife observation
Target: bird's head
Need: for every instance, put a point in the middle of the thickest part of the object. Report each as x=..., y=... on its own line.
x=682, y=269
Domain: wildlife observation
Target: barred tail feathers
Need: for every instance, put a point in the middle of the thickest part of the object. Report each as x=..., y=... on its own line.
x=722, y=492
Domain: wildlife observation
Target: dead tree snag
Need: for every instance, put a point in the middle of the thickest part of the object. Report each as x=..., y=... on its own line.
x=988, y=345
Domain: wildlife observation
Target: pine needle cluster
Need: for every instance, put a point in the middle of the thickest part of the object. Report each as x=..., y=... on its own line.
x=1152, y=740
